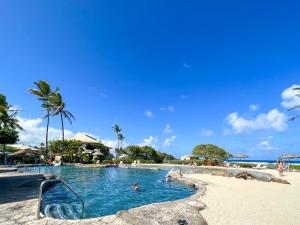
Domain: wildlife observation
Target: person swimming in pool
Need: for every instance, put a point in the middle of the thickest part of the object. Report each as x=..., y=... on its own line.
x=135, y=186
x=167, y=179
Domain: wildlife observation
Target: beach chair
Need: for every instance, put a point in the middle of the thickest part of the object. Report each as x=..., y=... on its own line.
x=259, y=166
x=227, y=165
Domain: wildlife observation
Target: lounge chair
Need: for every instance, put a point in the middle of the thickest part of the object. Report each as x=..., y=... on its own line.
x=227, y=165
x=259, y=166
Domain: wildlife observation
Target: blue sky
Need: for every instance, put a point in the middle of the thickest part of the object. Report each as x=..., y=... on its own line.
x=171, y=73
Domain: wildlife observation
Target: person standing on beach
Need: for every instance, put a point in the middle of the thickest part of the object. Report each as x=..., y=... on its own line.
x=280, y=167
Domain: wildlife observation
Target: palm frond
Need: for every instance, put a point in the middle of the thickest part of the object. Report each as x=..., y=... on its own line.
x=294, y=117
x=294, y=107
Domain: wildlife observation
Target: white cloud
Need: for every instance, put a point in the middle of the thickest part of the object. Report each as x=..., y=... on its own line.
x=168, y=129
x=253, y=107
x=289, y=98
x=151, y=141
x=265, y=145
x=274, y=119
x=149, y=114
x=206, y=132
x=187, y=66
x=34, y=133
x=169, y=141
x=169, y=108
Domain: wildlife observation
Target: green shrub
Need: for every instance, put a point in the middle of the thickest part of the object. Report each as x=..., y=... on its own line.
x=296, y=167
x=184, y=162
x=272, y=166
x=246, y=165
x=85, y=158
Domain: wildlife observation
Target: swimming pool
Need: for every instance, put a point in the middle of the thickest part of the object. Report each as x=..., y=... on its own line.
x=106, y=191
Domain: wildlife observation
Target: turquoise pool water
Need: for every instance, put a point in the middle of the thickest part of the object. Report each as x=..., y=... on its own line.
x=105, y=191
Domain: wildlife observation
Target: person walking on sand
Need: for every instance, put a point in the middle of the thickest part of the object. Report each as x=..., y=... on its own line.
x=280, y=167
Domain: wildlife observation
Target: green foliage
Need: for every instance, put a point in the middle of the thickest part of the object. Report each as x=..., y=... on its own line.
x=72, y=152
x=3, y=102
x=8, y=136
x=211, y=152
x=135, y=152
x=63, y=147
x=246, y=165
x=85, y=158
x=296, y=167
x=184, y=162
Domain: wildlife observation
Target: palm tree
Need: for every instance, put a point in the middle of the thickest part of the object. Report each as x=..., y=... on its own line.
x=297, y=94
x=59, y=108
x=121, y=138
x=117, y=130
x=43, y=91
x=9, y=120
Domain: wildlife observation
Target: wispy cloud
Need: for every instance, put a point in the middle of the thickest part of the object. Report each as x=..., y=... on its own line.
x=149, y=114
x=289, y=98
x=273, y=120
x=266, y=144
x=182, y=97
x=186, y=65
x=168, y=142
x=169, y=108
x=151, y=141
x=254, y=107
x=168, y=129
x=206, y=132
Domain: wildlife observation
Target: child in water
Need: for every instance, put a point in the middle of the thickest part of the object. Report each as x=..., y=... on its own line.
x=135, y=186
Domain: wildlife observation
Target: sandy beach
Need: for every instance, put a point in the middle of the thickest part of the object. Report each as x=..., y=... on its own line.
x=232, y=201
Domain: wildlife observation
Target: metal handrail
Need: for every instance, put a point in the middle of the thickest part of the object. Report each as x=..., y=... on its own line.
x=57, y=181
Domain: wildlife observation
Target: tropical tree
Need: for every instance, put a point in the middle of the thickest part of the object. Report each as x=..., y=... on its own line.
x=212, y=152
x=58, y=107
x=8, y=120
x=117, y=130
x=8, y=136
x=9, y=124
x=121, y=138
x=43, y=91
x=297, y=94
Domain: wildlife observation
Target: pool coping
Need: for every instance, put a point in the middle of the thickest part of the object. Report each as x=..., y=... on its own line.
x=192, y=200
x=192, y=204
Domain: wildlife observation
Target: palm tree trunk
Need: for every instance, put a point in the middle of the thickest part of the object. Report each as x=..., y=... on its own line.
x=63, y=130
x=47, y=130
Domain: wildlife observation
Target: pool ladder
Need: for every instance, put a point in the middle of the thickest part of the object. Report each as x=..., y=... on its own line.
x=64, y=183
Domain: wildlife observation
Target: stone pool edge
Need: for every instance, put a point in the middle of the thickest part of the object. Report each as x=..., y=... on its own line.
x=170, y=212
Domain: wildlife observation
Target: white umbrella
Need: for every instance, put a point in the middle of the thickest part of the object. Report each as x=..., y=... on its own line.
x=97, y=152
x=123, y=156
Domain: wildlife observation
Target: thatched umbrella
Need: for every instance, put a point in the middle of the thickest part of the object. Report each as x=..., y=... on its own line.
x=26, y=153
x=240, y=156
x=289, y=156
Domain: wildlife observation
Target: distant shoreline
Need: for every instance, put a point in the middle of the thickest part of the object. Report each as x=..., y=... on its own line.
x=296, y=162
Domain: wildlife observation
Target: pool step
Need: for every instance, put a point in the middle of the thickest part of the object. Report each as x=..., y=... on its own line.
x=63, y=211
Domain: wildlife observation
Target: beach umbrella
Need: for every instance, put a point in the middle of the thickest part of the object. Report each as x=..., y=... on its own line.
x=26, y=153
x=123, y=156
x=289, y=156
x=240, y=156
x=87, y=151
x=97, y=152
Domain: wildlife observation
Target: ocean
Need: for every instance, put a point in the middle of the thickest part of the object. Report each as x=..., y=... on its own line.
x=261, y=161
